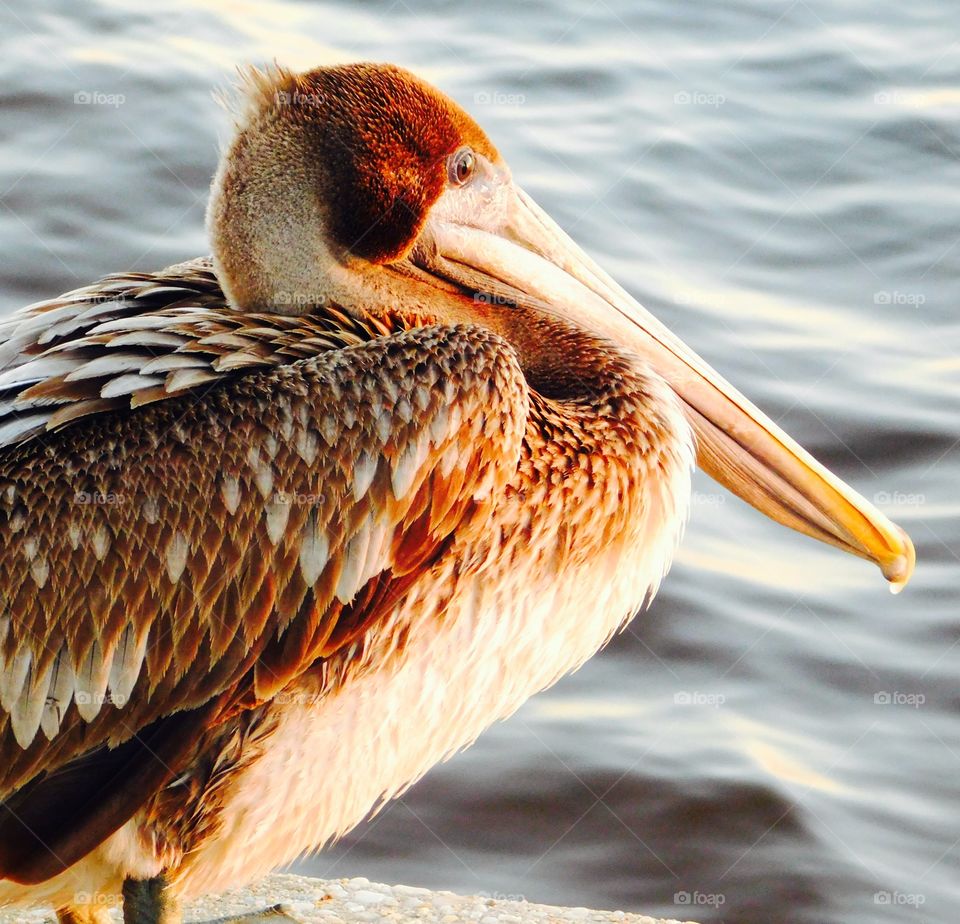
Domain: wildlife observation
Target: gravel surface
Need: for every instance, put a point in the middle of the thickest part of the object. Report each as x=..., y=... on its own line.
x=345, y=901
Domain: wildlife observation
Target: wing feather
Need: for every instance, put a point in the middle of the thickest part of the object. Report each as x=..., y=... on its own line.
x=214, y=546
x=174, y=329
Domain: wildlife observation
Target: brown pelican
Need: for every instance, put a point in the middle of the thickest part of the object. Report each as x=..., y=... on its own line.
x=283, y=528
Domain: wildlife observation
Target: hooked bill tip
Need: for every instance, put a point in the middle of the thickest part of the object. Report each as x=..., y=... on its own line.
x=899, y=569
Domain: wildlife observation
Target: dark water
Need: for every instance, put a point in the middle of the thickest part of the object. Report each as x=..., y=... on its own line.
x=779, y=181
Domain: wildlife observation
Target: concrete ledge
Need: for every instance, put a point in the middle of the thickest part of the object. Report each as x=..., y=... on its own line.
x=345, y=901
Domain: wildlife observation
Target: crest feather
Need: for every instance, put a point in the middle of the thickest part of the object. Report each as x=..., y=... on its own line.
x=255, y=90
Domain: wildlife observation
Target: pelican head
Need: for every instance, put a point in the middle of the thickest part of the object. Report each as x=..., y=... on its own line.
x=363, y=186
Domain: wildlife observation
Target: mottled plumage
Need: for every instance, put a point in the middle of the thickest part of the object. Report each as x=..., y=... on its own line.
x=280, y=530
x=133, y=339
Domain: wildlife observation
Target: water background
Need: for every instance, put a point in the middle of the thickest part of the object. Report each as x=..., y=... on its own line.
x=777, y=739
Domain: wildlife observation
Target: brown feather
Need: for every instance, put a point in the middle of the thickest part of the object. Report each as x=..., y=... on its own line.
x=219, y=610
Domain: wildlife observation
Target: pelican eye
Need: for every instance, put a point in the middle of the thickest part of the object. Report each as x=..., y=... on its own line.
x=460, y=166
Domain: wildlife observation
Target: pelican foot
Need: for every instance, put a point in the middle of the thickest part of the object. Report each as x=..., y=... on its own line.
x=150, y=901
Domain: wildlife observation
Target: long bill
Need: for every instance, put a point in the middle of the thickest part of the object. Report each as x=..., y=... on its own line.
x=737, y=444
